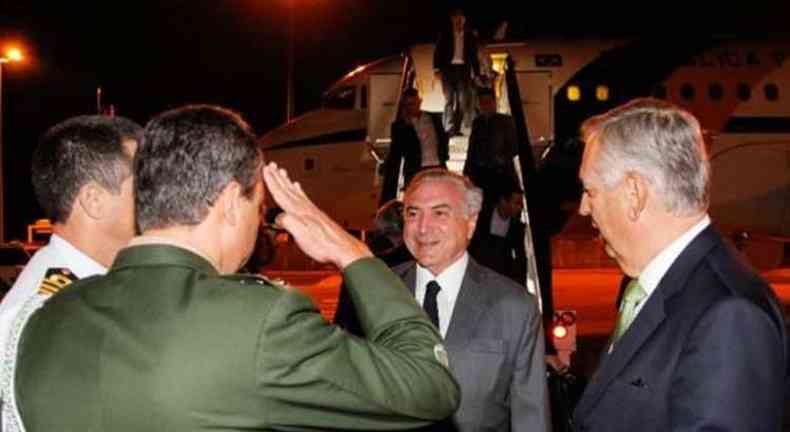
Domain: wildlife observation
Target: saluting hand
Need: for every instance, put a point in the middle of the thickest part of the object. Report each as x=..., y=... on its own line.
x=321, y=238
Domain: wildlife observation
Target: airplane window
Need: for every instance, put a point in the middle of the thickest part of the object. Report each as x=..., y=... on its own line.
x=602, y=93
x=660, y=92
x=363, y=97
x=744, y=92
x=687, y=92
x=574, y=93
x=771, y=92
x=715, y=91
x=340, y=98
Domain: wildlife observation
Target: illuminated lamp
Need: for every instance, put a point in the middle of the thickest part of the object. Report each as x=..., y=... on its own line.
x=559, y=331
x=574, y=93
x=602, y=93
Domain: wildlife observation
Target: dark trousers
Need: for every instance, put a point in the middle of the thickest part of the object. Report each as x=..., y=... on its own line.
x=457, y=87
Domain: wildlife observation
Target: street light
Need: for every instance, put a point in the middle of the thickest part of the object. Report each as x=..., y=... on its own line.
x=12, y=54
x=289, y=97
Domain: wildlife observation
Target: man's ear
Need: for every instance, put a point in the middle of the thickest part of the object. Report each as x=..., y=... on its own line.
x=472, y=224
x=92, y=200
x=230, y=202
x=636, y=194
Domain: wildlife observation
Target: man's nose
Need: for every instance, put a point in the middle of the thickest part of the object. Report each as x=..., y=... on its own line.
x=423, y=223
x=584, y=206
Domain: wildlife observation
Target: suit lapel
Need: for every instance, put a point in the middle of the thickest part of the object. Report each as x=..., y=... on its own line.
x=467, y=310
x=468, y=306
x=649, y=319
x=408, y=274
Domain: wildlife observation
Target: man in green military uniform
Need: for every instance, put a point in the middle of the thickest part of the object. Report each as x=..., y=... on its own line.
x=167, y=340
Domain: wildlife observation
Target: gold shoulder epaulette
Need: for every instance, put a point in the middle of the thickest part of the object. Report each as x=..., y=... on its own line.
x=247, y=279
x=275, y=282
x=55, y=280
x=256, y=279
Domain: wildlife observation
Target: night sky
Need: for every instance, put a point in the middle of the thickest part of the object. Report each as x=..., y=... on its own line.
x=149, y=56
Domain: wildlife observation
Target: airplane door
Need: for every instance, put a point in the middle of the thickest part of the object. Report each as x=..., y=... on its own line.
x=383, y=101
x=536, y=98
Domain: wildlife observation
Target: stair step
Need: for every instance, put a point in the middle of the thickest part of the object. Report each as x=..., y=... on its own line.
x=458, y=146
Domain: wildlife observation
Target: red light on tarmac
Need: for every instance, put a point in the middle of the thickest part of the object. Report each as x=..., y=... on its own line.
x=559, y=331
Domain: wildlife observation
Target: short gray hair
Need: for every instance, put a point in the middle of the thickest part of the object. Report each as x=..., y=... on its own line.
x=661, y=142
x=187, y=157
x=473, y=195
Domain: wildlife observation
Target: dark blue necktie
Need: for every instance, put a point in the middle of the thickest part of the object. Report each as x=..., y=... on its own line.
x=429, y=303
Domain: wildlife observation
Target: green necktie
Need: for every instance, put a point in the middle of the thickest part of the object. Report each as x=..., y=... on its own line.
x=633, y=295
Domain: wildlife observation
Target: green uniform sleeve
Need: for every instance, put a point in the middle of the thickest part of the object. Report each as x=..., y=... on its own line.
x=316, y=375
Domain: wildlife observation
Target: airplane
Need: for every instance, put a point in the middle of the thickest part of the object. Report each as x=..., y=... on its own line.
x=738, y=88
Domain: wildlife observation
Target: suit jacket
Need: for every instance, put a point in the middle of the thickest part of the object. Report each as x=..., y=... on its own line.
x=445, y=47
x=505, y=255
x=165, y=343
x=708, y=351
x=492, y=146
x=495, y=346
x=406, y=145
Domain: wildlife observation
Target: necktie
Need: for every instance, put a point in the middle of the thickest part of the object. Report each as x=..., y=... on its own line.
x=633, y=295
x=429, y=303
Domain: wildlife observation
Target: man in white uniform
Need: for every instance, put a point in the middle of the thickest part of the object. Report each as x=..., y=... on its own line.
x=81, y=174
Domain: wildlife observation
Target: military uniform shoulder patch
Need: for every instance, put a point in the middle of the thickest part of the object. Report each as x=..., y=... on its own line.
x=55, y=279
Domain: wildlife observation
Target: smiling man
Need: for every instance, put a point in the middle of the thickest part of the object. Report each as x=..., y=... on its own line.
x=491, y=325
x=700, y=342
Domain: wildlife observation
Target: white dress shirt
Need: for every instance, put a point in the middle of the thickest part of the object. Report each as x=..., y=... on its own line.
x=658, y=266
x=458, y=47
x=450, y=282
x=499, y=225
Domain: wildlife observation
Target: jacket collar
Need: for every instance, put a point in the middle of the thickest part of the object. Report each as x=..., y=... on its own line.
x=161, y=255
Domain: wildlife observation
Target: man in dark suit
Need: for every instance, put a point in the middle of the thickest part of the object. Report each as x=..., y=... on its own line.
x=498, y=242
x=700, y=342
x=492, y=147
x=456, y=64
x=491, y=325
x=418, y=139
x=171, y=340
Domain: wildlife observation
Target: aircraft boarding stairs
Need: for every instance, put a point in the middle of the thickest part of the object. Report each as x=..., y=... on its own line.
x=458, y=149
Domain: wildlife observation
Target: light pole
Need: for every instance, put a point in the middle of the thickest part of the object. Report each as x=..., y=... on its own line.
x=289, y=98
x=11, y=55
